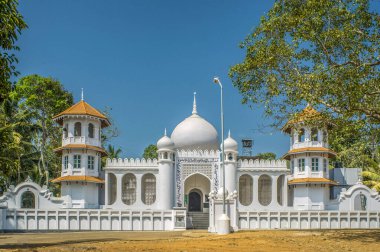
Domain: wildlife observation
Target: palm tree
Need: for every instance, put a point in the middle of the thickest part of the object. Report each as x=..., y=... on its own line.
x=112, y=152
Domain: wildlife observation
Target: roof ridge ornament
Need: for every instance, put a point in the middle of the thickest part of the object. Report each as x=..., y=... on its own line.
x=195, y=104
x=82, y=95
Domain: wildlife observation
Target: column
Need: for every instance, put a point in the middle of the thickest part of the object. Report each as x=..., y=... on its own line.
x=256, y=203
x=119, y=188
x=285, y=192
x=106, y=190
x=274, y=191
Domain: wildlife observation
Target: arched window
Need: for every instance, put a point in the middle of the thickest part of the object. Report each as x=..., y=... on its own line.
x=129, y=189
x=301, y=135
x=112, y=187
x=77, y=129
x=148, y=190
x=28, y=200
x=265, y=190
x=90, y=130
x=245, y=190
x=66, y=131
x=280, y=189
x=314, y=134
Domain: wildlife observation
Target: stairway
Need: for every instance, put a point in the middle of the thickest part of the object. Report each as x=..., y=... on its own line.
x=198, y=220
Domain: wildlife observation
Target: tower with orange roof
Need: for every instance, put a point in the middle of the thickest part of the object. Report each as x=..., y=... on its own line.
x=81, y=153
x=309, y=156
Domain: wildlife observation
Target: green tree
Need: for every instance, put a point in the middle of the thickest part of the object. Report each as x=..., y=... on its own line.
x=321, y=52
x=11, y=24
x=112, y=152
x=42, y=98
x=150, y=152
x=266, y=156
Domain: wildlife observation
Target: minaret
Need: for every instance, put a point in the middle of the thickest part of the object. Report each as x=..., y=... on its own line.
x=81, y=153
x=166, y=158
x=309, y=160
x=230, y=162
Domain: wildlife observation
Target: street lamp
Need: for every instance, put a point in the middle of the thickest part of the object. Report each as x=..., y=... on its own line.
x=223, y=221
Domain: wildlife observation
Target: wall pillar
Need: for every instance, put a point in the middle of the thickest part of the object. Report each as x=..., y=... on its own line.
x=256, y=191
x=274, y=191
x=106, y=190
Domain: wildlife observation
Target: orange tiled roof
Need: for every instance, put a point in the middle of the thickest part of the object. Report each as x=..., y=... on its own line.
x=307, y=114
x=81, y=146
x=309, y=149
x=78, y=178
x=312, y=180
x=82, y=108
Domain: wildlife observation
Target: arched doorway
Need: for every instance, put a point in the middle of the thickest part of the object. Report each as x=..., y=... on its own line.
x=197, y=187
x=195, y=201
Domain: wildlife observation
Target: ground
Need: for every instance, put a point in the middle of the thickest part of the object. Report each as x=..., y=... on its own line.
x=273, y=240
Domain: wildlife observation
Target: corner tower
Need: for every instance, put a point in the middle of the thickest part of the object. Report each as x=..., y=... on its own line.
x=309, y=156
x=81, y=152
x=166, y=158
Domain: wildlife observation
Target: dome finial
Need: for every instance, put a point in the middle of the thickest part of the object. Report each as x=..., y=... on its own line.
x=195, y=104
x=82, y=95
x=229, y=133
x=165, y=132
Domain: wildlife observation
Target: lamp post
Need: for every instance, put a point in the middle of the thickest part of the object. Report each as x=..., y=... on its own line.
x=223, y=221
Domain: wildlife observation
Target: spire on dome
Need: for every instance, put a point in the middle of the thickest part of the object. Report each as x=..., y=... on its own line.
x=195, y=104
x=229, y=133
x=82, y=95
x=165, y=132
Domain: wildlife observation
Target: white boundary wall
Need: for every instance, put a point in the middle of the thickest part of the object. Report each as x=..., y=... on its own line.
x=90, y=219
x=308, y=220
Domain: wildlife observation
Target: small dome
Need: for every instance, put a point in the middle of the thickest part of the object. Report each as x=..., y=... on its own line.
x=195, y=133
x=165, y=143
x=230, y=144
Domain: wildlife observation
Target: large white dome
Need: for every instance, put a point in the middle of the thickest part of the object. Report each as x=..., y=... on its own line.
x=195, y=133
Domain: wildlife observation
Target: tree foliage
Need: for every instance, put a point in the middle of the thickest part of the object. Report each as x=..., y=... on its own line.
x=322, y=52
x=38, y=99
x=11, y=25
x=113, y=152
x=266, y=156
x=318, y=51
x=150, y=152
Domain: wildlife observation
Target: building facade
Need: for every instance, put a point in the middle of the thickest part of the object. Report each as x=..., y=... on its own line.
x=183, y=187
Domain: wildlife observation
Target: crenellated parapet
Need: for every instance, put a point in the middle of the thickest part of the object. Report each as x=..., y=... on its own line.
x=198, y=153
x=131, y=162
x=262, y=164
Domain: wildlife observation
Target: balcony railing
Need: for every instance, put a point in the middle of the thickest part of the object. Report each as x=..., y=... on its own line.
x=309, y=144
x=80, y=140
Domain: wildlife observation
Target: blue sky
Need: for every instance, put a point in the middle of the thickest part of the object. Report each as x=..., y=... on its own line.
x=144, y=59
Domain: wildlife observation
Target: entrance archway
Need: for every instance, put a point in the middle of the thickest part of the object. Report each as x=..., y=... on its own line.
x=195, y=201
x=197, y=187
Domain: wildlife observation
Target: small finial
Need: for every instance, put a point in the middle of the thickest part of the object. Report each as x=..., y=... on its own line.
x=195, y=104
x=82, y=95
x=165, y=132
x=229, y=133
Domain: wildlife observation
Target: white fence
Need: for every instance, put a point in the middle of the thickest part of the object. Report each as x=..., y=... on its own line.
x=89, y=219
x=308, y=220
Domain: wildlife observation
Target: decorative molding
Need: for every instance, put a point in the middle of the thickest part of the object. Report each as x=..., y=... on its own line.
x=198, y=153
x=276, y=164
x=131, y=162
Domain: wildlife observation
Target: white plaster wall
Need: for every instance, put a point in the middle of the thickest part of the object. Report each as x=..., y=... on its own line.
x=91, y=219
x=165, y=185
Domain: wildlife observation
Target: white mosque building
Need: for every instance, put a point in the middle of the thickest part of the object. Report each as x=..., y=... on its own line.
x=183, y=187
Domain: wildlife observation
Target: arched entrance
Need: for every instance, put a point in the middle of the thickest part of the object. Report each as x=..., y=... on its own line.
x=195, y=201
x=197, y=187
